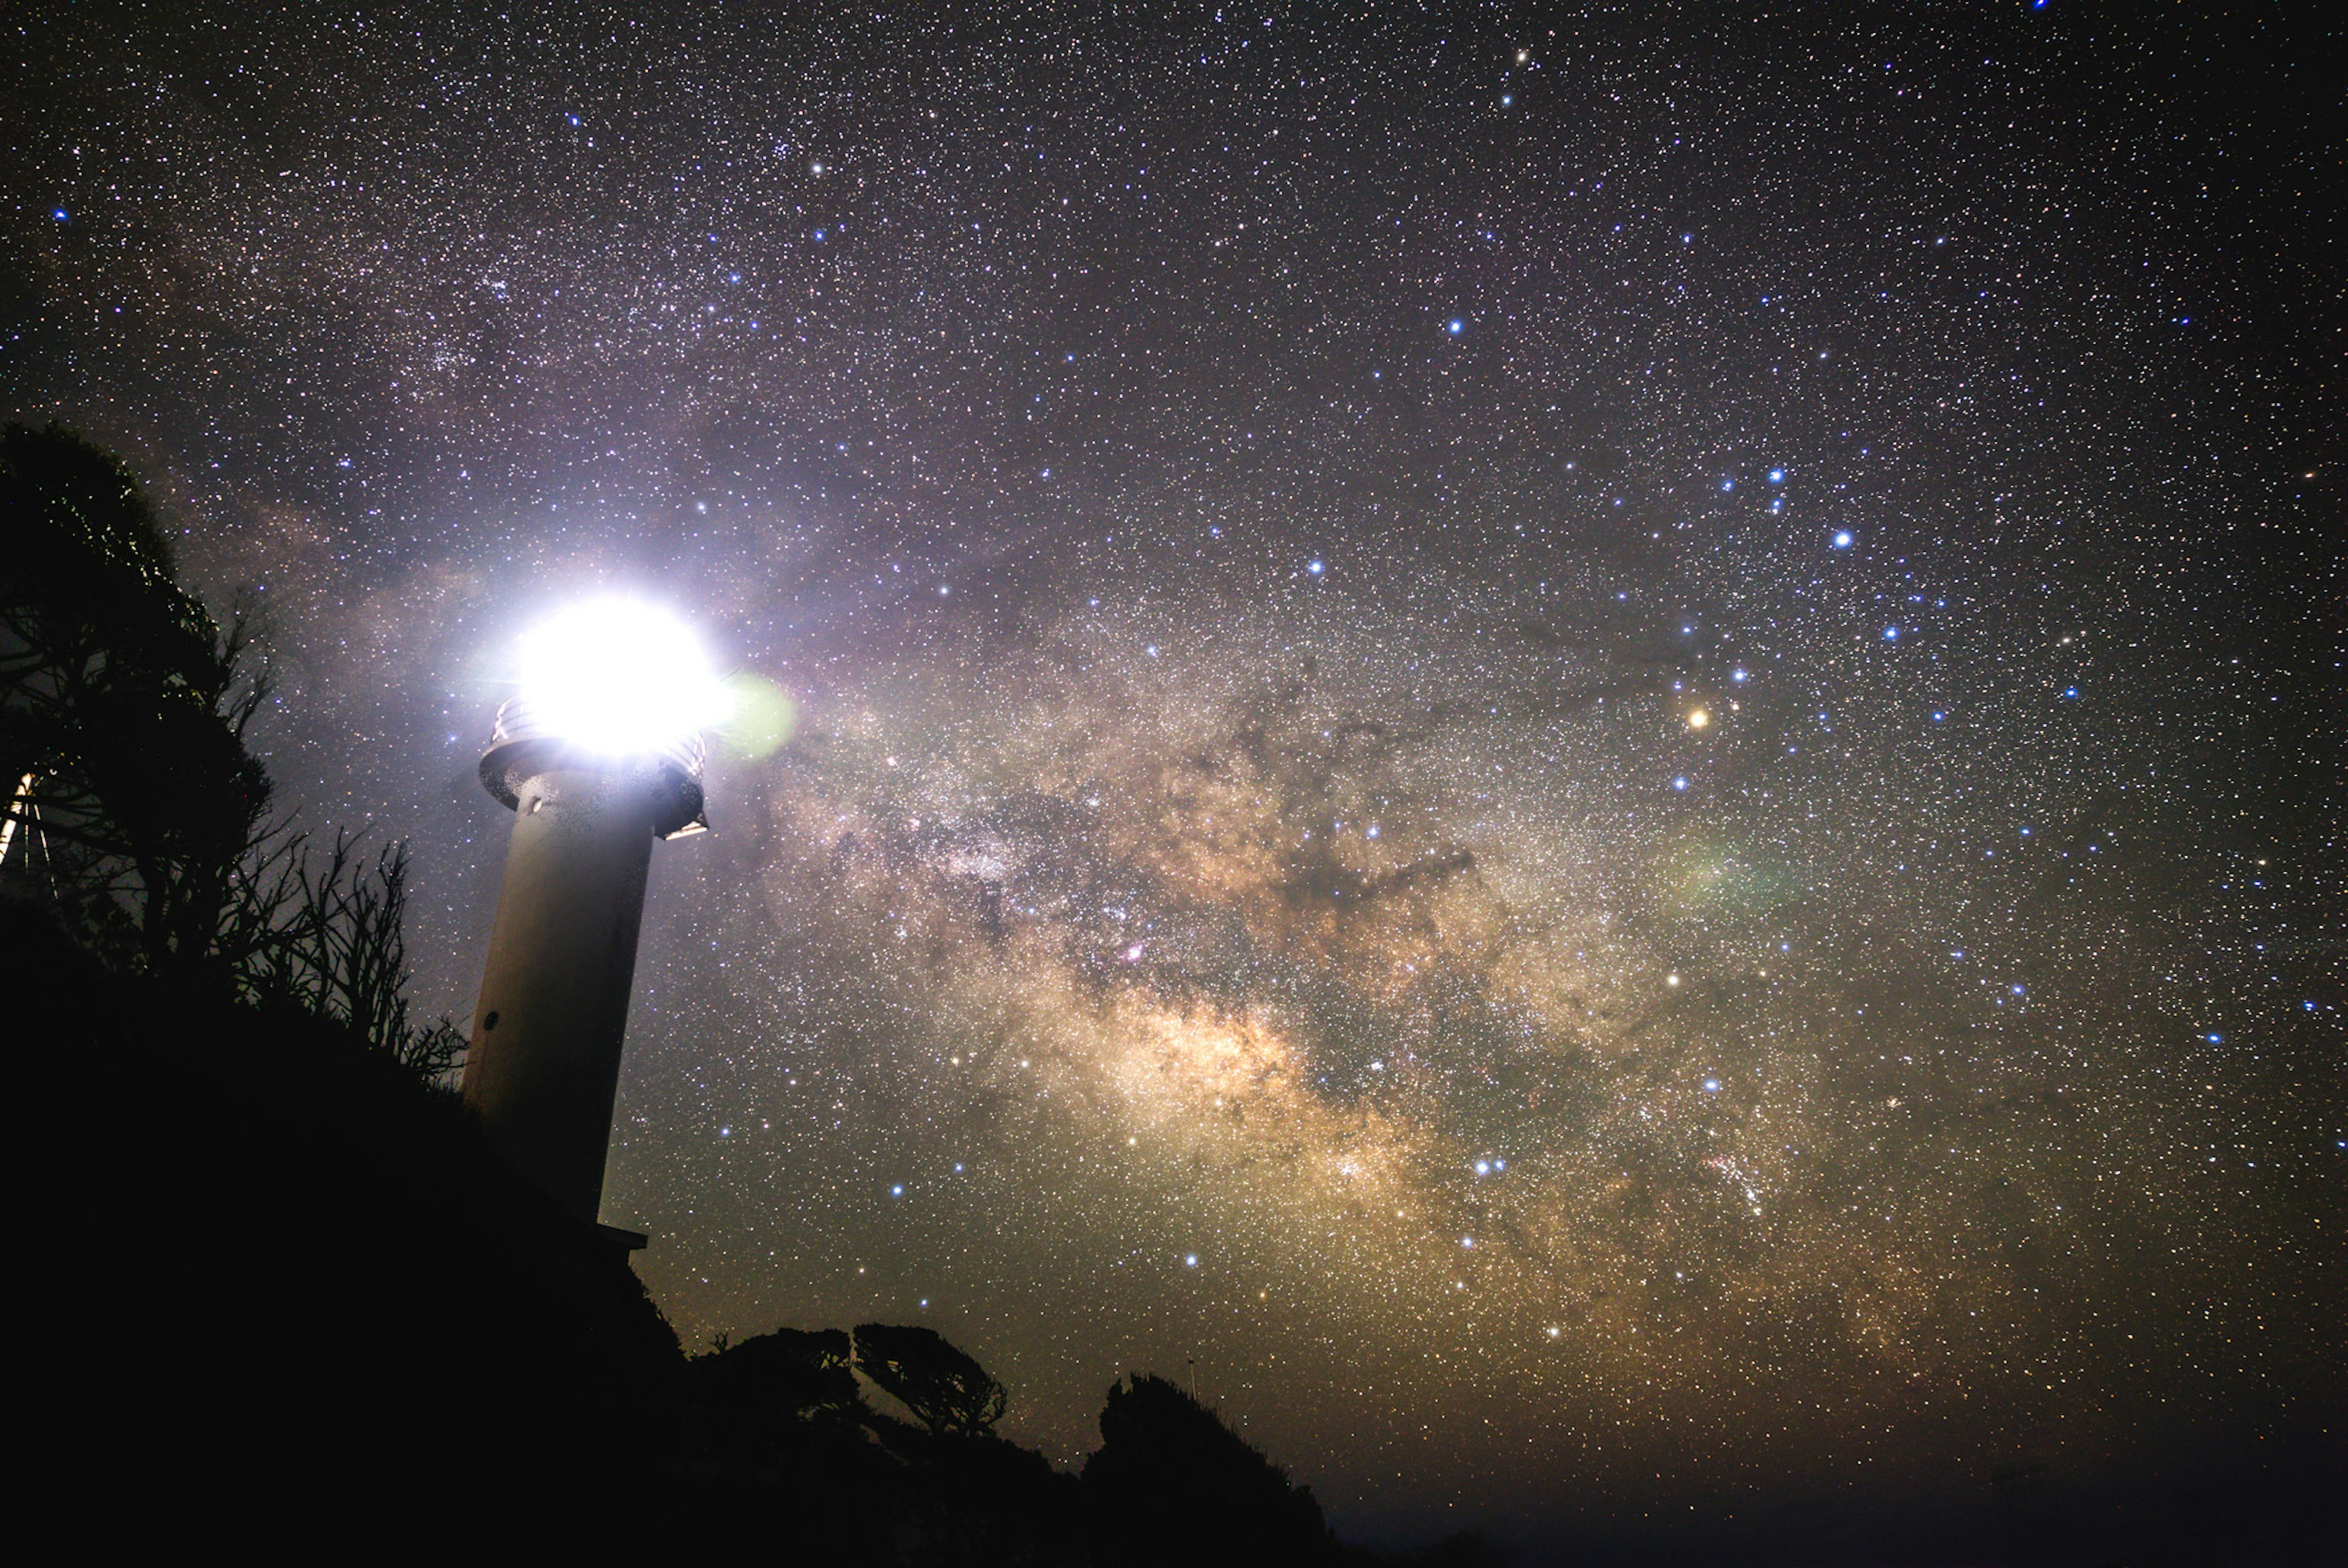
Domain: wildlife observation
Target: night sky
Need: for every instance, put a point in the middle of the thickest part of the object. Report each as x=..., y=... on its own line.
x=1594, y=755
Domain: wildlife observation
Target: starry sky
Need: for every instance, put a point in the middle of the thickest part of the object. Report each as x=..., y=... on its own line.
x=1592, y=754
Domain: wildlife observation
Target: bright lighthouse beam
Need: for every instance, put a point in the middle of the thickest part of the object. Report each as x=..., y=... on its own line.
x=618, y=678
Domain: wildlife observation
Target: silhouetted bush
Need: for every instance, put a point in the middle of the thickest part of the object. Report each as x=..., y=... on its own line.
x=770, y=1381
x=1170, y=1483
x=947, y=1389
x=328, y=935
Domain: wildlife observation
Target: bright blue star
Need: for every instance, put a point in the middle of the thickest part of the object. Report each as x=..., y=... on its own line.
x=1315, y=568
x=1890, y=634
x=61, y=215
x=1776, y=476
x=1842, y=541
x=1455, y=326
x=1680, y=783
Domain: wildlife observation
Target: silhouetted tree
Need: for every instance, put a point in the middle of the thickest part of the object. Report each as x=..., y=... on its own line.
x=123, y=712
x=126, y=705
x=942, y=1385
x=1170, y=1483
x=788, y=1375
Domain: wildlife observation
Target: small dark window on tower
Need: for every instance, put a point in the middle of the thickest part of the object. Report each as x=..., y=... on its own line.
x=490, y=1020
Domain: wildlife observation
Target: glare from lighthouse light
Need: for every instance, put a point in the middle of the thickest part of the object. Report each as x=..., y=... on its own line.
x=620, y=678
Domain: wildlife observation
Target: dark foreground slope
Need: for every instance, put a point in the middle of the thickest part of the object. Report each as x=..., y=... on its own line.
x=276, y=1279
x=280, y=1293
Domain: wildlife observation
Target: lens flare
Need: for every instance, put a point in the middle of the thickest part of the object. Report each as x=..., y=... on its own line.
x=763, y=720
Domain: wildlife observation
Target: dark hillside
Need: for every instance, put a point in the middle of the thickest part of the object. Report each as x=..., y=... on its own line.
x=289, y=1293
x=284, y=1281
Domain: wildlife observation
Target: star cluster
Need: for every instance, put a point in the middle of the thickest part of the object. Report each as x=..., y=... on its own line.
x=1584, y=753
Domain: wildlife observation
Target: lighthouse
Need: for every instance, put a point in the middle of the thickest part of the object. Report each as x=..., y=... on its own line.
x=599, y=755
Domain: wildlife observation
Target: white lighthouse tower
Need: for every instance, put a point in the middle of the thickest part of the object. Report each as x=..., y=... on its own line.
x=600, y=754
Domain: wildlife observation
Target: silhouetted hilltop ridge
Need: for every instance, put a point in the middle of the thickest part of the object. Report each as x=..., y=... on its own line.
x=299, y=1293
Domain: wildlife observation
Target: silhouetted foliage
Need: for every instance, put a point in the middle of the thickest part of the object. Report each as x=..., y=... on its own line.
x=140, y=813
x=942, y=1385
x=789, y=1376
x=331, y=940
x=1170, y=1483
x=126, y=705
x=780, y=1430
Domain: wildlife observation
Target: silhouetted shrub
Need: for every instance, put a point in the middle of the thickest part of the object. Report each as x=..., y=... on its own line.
x=789, y=1376
x=1170, y=1483
x=942, y=1385
x=328, y=935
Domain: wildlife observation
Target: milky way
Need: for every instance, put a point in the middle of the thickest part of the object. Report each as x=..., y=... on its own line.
x=1588, y=758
